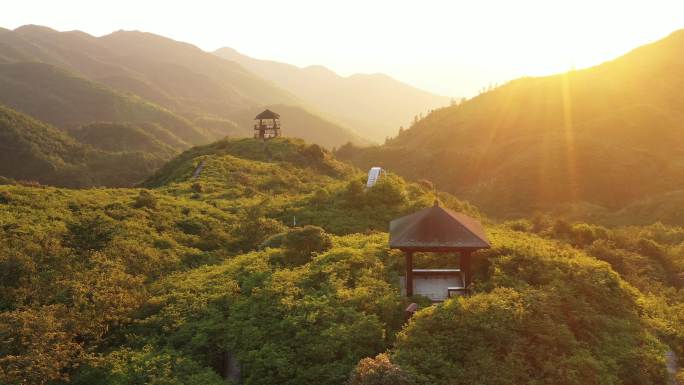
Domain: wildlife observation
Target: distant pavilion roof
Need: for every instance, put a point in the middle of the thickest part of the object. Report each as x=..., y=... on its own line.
x=437, y=229
x=268, y=114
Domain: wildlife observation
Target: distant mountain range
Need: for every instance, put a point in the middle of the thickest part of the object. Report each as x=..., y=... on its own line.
x=189, y=87
x=604, y=138
x=375, y=105
x=134, y=92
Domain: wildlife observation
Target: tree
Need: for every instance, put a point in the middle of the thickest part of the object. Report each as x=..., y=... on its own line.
x=353, y=193
x=254, y=228
x=145, y=199
x=301, y=243
x=90, y=233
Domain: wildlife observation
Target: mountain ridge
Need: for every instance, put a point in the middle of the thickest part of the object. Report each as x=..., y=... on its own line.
x=34, y=151
x=174, y=75
x=608, y=135
x=377, y=103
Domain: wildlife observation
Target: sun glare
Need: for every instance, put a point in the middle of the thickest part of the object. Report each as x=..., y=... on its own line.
x=449, y=47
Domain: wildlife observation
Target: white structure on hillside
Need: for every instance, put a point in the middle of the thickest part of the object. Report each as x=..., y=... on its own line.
x=373, y=176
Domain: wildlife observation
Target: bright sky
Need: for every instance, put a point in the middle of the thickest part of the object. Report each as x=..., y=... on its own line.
x=451, y=47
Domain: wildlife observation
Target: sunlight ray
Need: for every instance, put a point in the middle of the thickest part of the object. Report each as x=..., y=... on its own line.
x=569, y=138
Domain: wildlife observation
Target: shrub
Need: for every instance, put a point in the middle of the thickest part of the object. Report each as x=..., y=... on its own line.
x=561, y=228
x=314, y=152
x=90, y=233
x=254, y=228
x=512, y=336
x=275, y=241
x=320, y=196
x=5, y=197
x=353, y=193
x=380, y=371
x=583, y=234
x=148, y=366
x=388, y=191
x=192, y=226
x=145, y=199
x=301, y=243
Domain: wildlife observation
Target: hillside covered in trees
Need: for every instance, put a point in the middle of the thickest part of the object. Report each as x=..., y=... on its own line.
x=587, y=141
x=33, y=151
x=194, y=279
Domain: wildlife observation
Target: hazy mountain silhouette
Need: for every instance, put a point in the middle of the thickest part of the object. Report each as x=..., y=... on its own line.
x=608, y=135
x=177, y=76
x=376, y=105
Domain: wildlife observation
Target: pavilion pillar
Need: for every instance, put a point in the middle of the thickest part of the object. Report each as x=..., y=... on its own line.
x=465, y=268
x=409, y=273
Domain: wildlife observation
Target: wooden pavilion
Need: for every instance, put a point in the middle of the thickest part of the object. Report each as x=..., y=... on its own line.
x=438, y=230
x=267, y=125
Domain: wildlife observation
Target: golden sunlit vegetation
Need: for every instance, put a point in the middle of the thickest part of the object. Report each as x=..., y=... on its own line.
x=185, y=281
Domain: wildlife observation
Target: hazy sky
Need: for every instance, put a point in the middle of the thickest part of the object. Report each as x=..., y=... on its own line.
x=449, y=47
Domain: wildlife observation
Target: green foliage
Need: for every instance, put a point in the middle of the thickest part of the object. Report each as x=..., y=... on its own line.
x=147, y=367
x=76, y=265
x=292, y=154
x=314, y=322
x=291, y=185
x=388, y=192
x=161, y=285
x=548, y=315
x=650, y=258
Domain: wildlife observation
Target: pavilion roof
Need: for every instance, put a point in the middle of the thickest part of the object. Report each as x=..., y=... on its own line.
x=267, y=114
x=437, y=228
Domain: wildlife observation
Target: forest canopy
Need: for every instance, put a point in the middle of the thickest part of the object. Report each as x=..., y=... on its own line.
x=195, y=280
